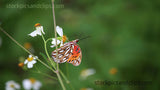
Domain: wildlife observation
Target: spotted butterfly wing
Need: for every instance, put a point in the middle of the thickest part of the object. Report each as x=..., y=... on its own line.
x=70, y=52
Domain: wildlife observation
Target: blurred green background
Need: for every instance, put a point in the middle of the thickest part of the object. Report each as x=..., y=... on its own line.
x=125, y=36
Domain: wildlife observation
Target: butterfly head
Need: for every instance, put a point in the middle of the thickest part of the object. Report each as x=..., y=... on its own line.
x=76, y=41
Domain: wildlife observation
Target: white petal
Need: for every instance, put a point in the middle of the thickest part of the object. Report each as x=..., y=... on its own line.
x=37, y=85
x=42, y=30
x=27, y=84
x=33, y=34
x=54, y=41
x=59, y=31
x=30, y=56
x=38, y=31
x=9, y=88
x=26, y=61
x=33, y=61
x=61, y=43
x=9, y=83
x=58, y=42
x=30, y=65
x=17, y=86
x=52, y=46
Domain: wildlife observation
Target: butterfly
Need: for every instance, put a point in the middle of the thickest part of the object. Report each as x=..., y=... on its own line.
x=70, y=52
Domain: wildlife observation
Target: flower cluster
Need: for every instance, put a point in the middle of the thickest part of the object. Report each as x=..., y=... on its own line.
x=30, y=61
x=59, y=30
x=31, y=83
x=28, y=84
x=60, y=33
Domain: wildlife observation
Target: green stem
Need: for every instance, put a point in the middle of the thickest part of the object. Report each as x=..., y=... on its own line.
x=48, y=76
x=58, y=75
x=48, y=40
x=60, y=80
x=46, y=65
x=24, y=48
x=54, y=19
x=65, y=78
x=39, y=72
x=45, y=46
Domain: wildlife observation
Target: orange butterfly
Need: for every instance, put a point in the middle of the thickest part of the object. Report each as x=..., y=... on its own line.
x=70, y=52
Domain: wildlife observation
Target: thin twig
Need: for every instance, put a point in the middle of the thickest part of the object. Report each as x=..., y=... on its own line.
x=58, y=75
x=45, y=47
x=39, y=72
x=54, y=19
x=24, y=48
x=60, y=80
x=65, y=78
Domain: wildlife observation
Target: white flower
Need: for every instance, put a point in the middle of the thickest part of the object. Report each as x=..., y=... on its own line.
x=31, y=83
x=87, y=72
x=11, y=85
x=54, y=42
x=38, y=31
x=30, y=61
x=60, y=33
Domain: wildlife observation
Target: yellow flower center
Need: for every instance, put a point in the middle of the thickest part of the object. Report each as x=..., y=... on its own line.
x=21, y=64
x=84, y=73
x=37, y=24
x=113, y=71
x=27, y=45
x=32, y=80
x=12, y=85
x=64, y=38
x=30, y=59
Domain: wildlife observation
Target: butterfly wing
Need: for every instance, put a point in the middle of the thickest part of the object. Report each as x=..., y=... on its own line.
x=70, y=53
x=64, y=53
x=76, y=55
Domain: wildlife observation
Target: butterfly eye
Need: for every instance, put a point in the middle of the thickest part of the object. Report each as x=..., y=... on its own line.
x=77, y=40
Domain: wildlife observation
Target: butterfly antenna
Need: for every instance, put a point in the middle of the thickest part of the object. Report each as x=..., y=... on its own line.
x=85, y=37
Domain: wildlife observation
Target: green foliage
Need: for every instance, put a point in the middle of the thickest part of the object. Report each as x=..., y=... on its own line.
x=124, y=35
